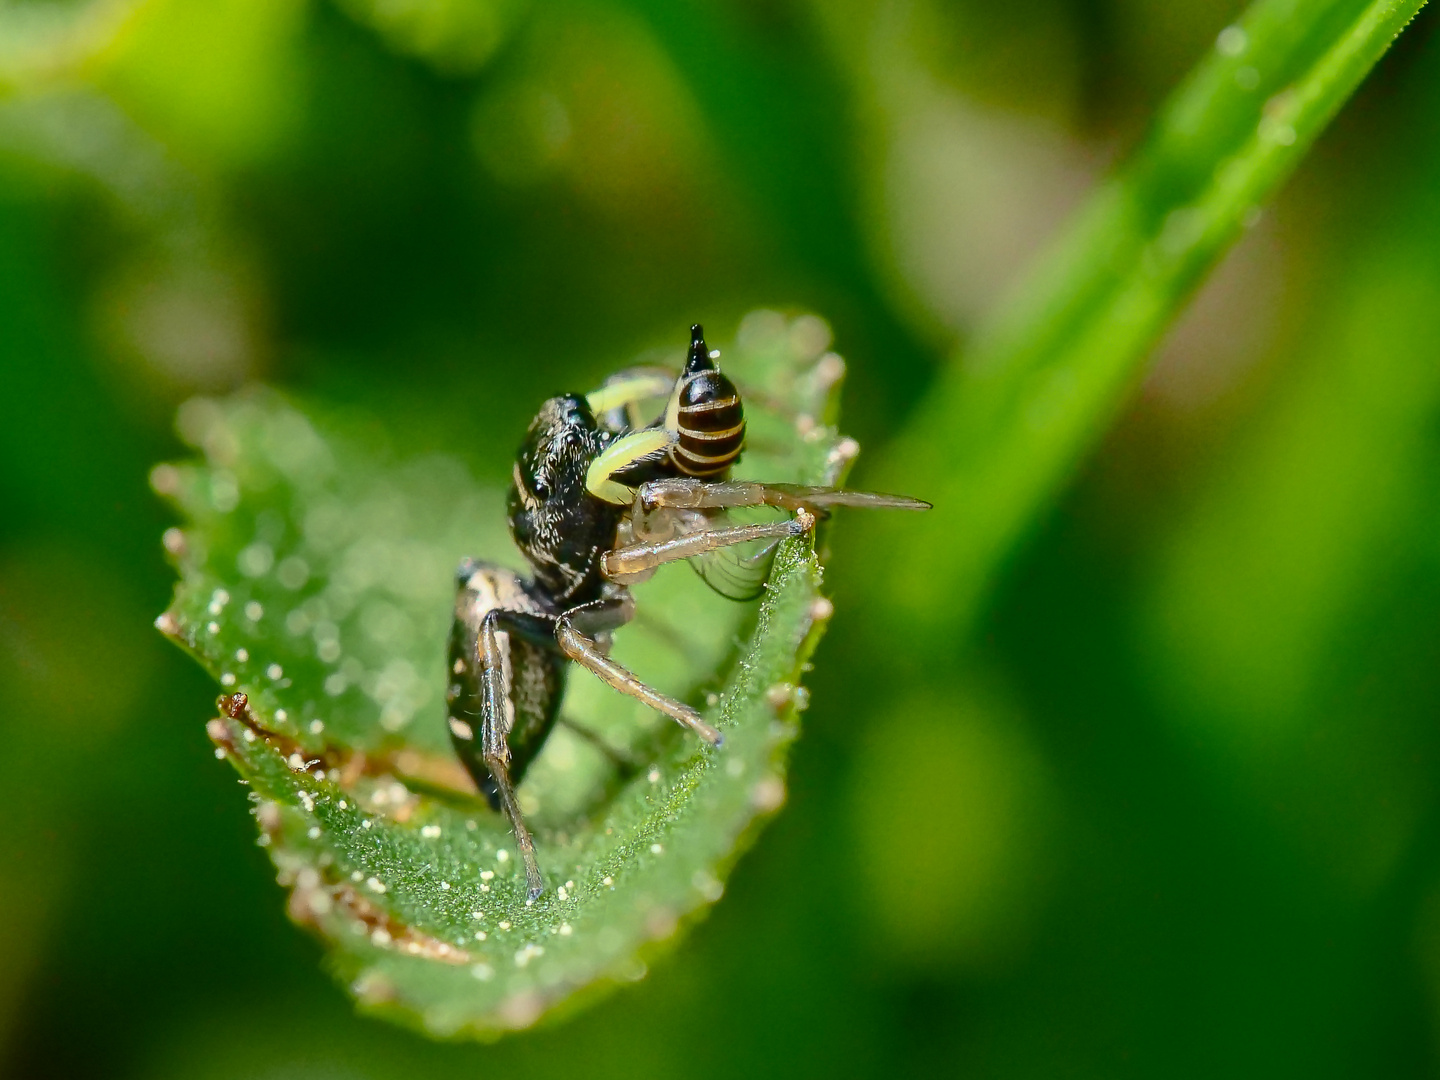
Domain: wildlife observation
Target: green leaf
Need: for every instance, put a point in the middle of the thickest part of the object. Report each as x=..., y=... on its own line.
x=1004, y=427
x=317, y=578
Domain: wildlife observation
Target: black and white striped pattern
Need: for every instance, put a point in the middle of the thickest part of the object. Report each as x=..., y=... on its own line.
x=710, y=425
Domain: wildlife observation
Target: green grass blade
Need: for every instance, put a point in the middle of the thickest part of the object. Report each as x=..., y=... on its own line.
x=1004, y=427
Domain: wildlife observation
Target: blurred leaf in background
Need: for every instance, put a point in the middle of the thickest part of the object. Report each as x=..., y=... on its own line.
x=1164, y=754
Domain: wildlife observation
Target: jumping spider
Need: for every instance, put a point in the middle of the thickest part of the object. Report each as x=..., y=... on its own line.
x=599, y=501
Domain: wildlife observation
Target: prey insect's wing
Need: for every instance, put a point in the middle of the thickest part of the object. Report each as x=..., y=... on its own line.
x=738, y=572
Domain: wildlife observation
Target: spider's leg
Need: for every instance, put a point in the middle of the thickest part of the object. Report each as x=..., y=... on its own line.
x=627, y=389
x=635, y=560
x=575, y=631
x=495, y=730
x=693, y=494
x=623, y=452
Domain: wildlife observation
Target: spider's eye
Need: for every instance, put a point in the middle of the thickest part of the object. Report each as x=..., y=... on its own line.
x=541, y=488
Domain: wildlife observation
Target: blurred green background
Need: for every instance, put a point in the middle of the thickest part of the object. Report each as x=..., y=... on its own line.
x=1173, y=814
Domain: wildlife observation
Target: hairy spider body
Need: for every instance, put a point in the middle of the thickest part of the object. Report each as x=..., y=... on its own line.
x=599, y=501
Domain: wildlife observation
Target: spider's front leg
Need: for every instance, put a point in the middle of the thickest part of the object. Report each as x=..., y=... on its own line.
x=494, y=733
x=491, y=750
x=575, y=632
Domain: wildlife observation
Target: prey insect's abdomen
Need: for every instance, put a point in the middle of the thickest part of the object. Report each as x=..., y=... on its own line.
x=709, y=416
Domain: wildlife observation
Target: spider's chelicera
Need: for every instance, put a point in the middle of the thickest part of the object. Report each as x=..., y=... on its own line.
x=600, y=499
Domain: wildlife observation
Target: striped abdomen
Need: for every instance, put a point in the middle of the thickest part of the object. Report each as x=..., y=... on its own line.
x=710, y=423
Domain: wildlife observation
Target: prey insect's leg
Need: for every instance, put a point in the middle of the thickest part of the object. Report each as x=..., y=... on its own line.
x=692, y=494
x=575, y=632
x=623, y=563
x=495, y=730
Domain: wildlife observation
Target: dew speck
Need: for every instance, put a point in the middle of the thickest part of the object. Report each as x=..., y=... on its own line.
x=1232, y=41
x=275, y=671
x=769, y=794
x=565, y=930
x=254, y=611
x=242, y=656
x=224, y=492
x=293, y=572
x=317, y=726
x=227, y=679
x=255, y=561
x=656, y=849
x=165, y=479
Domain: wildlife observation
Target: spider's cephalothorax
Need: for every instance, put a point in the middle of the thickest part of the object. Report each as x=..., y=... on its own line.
x=560, y=528
x=590, y=475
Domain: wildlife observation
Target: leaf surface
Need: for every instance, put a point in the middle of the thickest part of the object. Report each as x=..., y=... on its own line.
x=316, y=570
